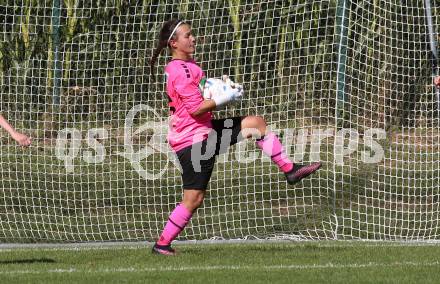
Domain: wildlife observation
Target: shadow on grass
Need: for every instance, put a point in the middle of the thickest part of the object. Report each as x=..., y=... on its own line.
x=28, y=261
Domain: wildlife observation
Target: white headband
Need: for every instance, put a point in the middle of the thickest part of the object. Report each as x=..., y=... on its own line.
x=171, y=35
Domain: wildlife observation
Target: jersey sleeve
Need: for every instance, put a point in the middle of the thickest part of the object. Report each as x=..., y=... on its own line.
x=187, y=88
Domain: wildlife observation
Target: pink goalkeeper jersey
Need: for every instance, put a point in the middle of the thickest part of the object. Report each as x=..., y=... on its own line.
x=184, y=92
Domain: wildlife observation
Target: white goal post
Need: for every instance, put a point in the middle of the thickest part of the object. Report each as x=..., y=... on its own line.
x=349, y=83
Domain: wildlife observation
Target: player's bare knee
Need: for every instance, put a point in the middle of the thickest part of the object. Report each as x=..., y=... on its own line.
x=198, y=201
x=193, y=199
x=254, y=126
x=260, y=124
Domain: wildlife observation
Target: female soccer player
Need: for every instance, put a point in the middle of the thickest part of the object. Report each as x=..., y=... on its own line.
x=21, y=139
x=196, y=137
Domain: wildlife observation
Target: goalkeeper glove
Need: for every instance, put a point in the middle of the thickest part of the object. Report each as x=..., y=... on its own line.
x=227, y=95
x=232, y=84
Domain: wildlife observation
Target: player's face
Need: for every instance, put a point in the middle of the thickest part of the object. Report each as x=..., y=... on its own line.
x=185, y=41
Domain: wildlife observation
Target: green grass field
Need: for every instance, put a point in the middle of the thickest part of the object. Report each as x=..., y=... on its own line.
x=270, y=262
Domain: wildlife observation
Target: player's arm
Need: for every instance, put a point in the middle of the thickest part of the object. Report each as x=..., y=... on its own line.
x=205, y=106
x=21, y=139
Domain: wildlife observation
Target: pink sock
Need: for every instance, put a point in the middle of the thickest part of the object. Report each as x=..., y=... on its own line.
x=176, y=223
x=271, y=146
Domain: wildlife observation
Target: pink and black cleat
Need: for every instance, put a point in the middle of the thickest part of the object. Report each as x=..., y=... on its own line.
x=163, y=250
x=301, y=171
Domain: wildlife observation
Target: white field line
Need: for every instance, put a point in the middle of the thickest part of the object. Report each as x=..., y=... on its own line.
x=226, y=267
x=148, y=245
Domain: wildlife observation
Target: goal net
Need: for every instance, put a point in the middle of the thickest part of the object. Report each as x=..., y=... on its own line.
x=349, y=83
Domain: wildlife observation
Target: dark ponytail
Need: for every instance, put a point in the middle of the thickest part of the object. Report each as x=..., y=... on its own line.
x=162, y=42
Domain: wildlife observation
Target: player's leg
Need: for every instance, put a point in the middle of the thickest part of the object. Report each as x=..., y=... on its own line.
x=179, y=218
x=271, y=145
x=195, y=183
x=266, y=141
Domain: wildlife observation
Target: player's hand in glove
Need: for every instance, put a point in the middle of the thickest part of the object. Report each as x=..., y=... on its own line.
x=222, y=91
